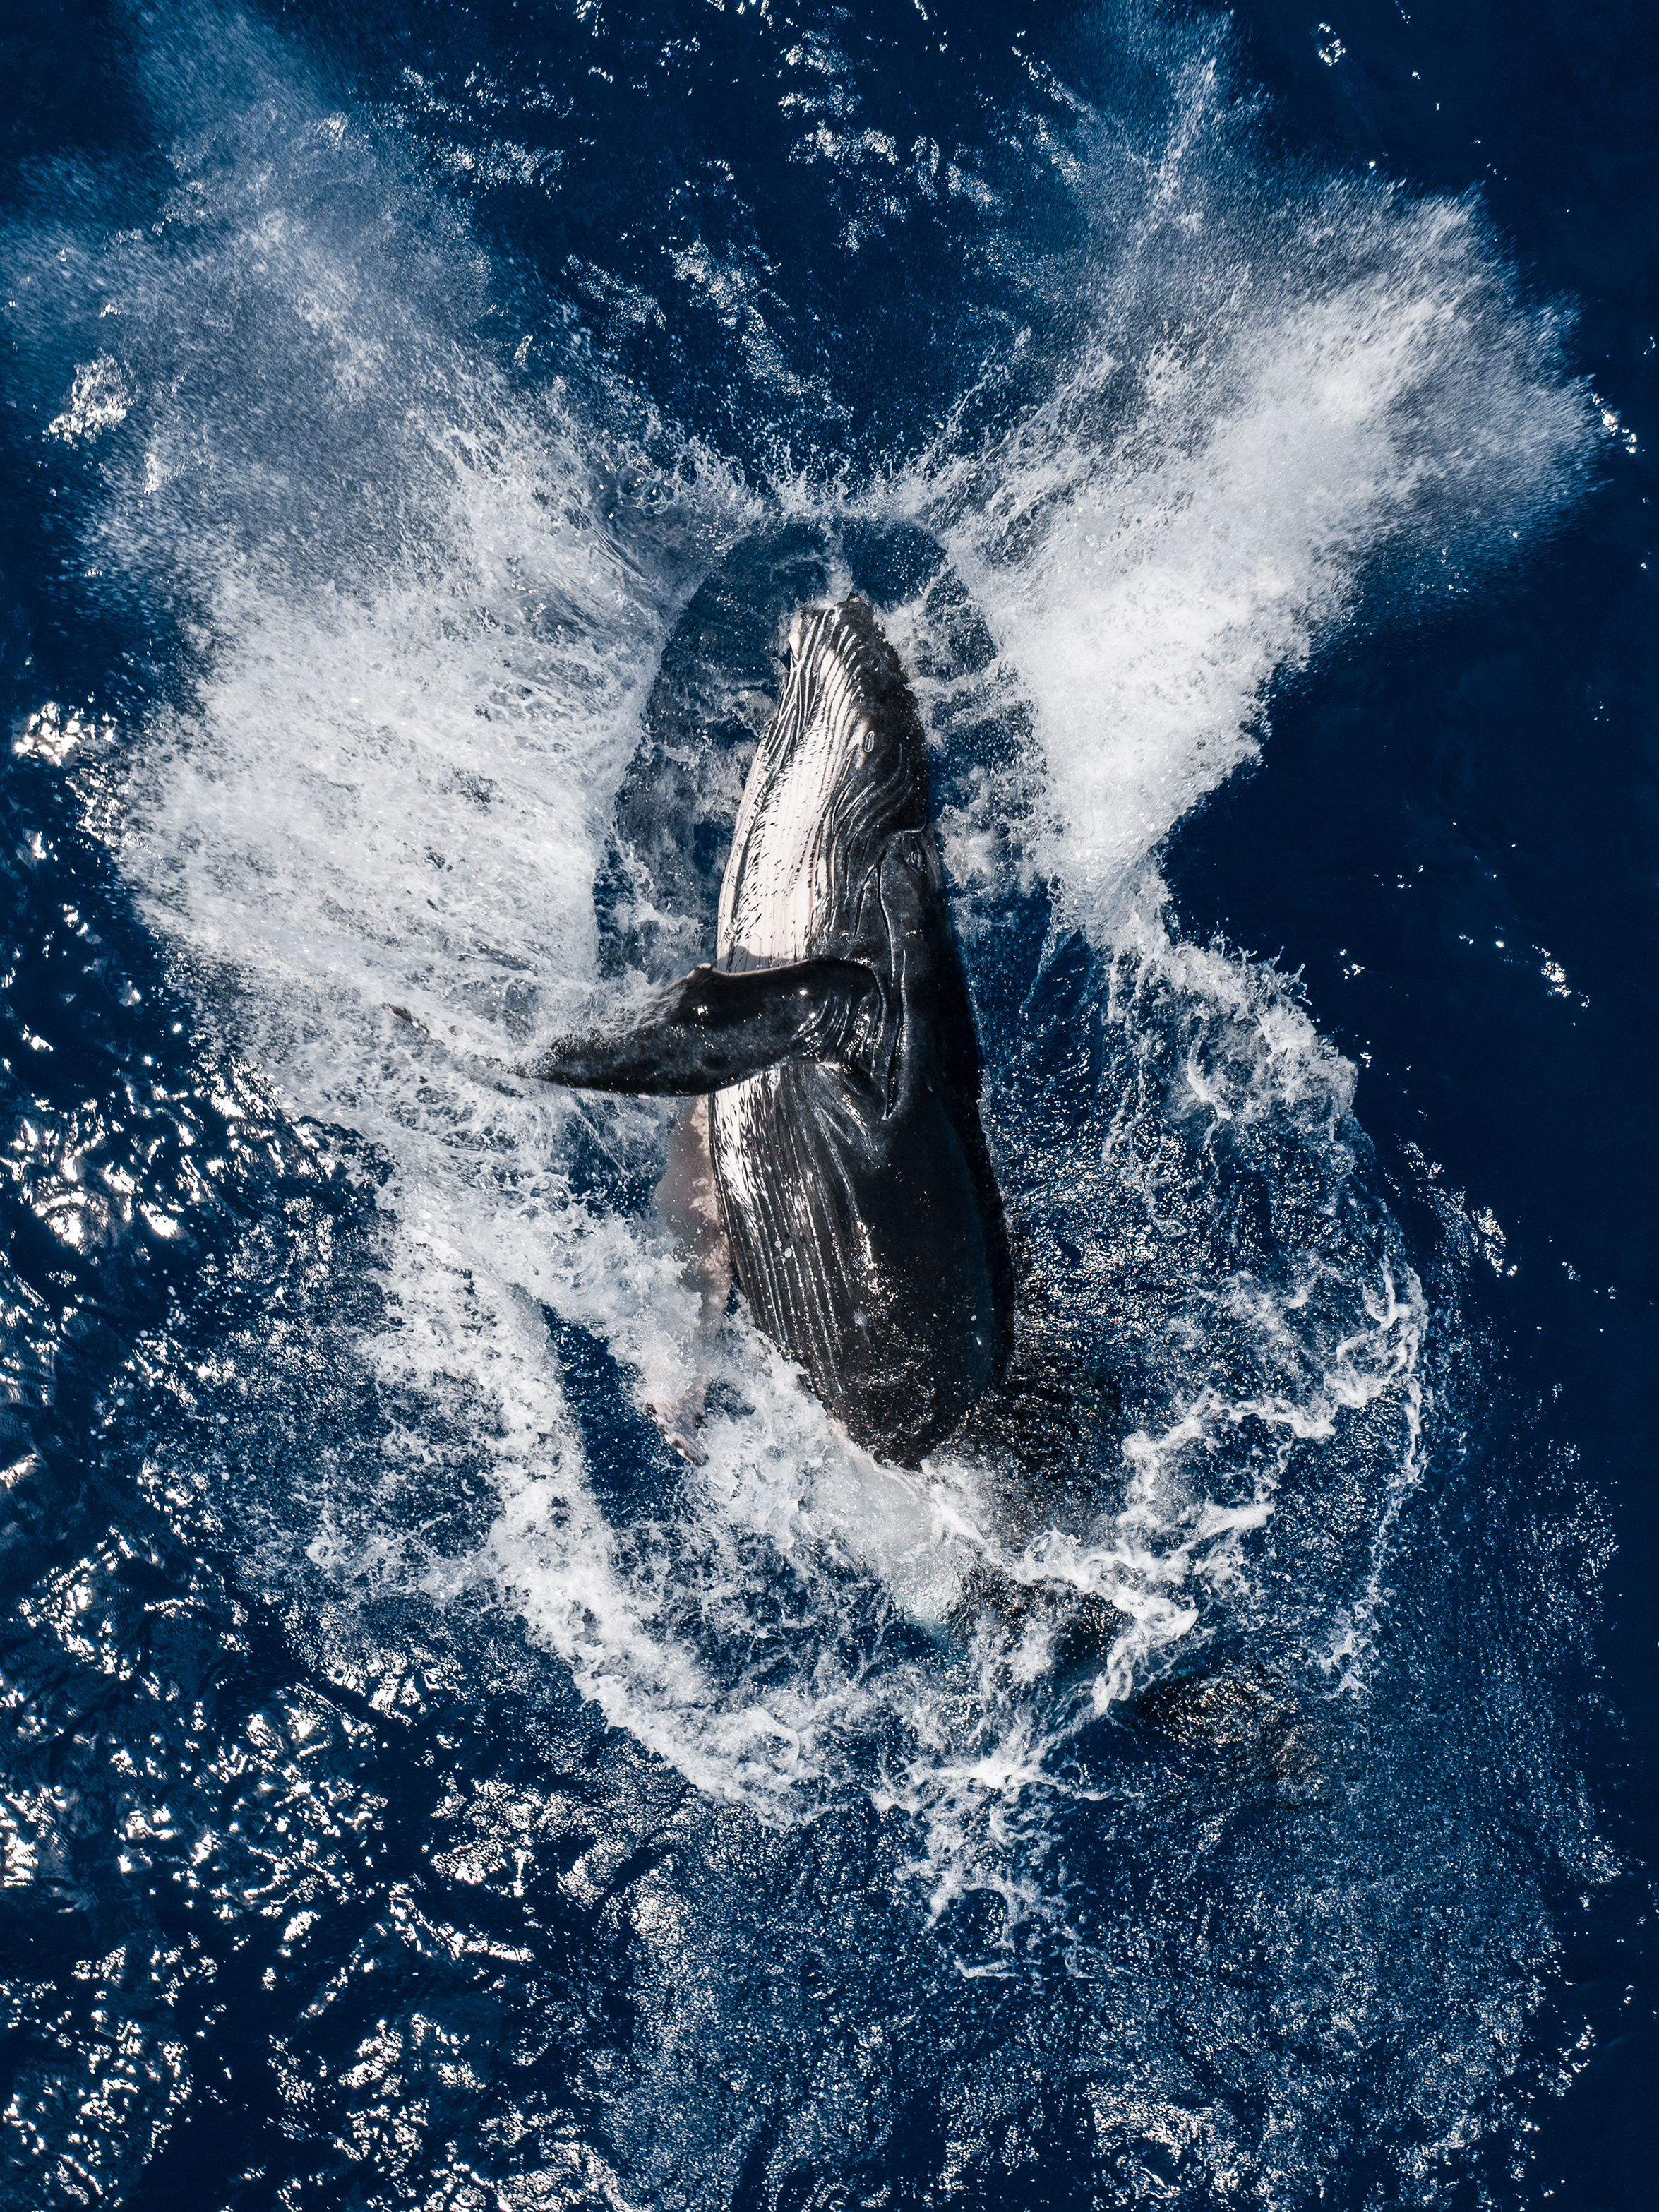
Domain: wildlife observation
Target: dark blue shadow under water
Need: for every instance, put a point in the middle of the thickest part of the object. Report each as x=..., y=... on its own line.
x=335, y=1877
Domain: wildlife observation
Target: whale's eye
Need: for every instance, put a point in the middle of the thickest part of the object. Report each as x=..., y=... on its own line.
x=867, y=741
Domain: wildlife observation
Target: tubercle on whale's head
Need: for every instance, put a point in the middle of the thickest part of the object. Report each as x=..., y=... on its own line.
x=841, y=767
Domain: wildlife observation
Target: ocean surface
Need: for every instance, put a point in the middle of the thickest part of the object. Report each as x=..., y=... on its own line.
x=418, y=1788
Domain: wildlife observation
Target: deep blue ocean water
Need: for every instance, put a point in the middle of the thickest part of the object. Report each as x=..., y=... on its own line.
x=417, y=1789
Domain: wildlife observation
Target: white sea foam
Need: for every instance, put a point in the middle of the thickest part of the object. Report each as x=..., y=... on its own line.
x=427, y=602
x=97, y=401
x=1277, y=383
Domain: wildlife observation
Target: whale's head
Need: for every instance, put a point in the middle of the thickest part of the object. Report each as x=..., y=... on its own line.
x=841, y=767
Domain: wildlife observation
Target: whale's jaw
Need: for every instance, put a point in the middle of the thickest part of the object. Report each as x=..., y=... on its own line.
x=842, y=769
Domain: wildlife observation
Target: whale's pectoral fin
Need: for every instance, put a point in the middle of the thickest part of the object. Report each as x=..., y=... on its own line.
x=689, y=1203
x=711, y=1029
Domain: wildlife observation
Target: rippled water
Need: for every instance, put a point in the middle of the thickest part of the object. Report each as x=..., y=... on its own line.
x=423, y=1789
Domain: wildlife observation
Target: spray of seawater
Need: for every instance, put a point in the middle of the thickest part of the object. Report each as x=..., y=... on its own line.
x=1273, y=384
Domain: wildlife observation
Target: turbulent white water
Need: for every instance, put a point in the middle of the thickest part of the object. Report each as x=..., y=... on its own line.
x=426, y=597
x=1272, y=383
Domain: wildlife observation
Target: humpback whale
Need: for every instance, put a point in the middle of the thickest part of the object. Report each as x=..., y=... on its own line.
x=831, y=1155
